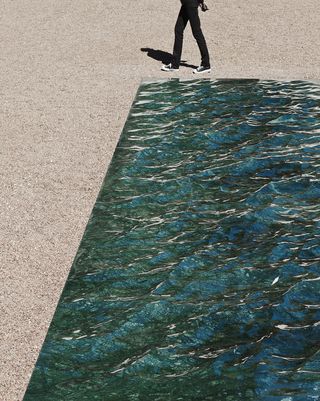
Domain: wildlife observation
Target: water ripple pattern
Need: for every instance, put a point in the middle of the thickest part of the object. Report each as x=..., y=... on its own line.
x=198, y=274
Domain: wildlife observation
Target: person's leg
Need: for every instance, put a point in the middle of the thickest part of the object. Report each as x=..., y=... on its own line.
x=181, y=23
x=192, y=11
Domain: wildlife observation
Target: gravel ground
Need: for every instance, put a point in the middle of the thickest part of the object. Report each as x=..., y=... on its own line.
x=69, y=73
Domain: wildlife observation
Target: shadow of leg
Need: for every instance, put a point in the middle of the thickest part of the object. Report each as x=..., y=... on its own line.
x=158, y=55
x=163, y=56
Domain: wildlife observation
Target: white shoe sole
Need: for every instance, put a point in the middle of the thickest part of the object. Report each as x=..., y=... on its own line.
x=201, y=72
x=169, y=69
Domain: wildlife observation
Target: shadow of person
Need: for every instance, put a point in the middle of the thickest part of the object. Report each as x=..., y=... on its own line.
x=163, y=56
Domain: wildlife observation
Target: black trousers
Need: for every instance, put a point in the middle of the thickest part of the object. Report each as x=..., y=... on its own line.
x=189, y=12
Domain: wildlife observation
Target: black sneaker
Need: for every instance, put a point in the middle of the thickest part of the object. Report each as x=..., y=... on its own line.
x=201, y=70
x=169, y=68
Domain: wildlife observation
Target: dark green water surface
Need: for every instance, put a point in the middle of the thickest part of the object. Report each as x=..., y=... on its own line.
x=198, y=275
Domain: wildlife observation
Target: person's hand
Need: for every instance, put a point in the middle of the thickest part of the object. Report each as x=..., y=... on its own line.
x=202, y=5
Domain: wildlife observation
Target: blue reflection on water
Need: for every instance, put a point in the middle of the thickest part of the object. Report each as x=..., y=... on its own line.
x=198, y=274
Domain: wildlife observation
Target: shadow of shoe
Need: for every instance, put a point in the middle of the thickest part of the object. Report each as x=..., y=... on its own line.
x=163, y=56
